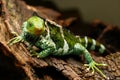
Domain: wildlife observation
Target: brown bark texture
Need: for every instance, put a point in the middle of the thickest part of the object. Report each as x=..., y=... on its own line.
x=16, y=63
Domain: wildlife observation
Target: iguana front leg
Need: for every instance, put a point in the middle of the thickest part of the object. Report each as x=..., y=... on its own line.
x=47, y=46
x=43, y=53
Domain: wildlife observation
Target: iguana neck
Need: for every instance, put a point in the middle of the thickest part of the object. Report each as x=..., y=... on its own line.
x=31, y=38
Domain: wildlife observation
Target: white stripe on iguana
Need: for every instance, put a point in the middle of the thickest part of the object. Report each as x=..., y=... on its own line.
x=79, y=48
x=66, y=46
x=78, y=38
x=48, y=30
x=86, y=41
x=101, y=49
x=54, y=23
x=93, y=44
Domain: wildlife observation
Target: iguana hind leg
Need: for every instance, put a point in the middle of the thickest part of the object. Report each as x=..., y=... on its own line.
x=91, y=63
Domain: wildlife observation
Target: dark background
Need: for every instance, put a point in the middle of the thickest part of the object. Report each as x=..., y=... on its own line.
x=105, y=10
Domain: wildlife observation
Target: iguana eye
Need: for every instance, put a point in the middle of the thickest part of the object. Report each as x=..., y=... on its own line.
x=30, y=24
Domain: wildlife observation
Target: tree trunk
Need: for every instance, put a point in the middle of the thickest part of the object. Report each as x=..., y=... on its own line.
x=16, y=62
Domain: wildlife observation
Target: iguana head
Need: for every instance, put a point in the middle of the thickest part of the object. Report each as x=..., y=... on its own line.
x=34, y=25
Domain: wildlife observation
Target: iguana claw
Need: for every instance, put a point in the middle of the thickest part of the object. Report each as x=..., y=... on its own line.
x=33, y=53
x=15, y=40
x=14, y=33
x=93, y=65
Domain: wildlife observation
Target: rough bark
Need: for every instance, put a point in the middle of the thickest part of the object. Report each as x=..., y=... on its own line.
x=17, y=64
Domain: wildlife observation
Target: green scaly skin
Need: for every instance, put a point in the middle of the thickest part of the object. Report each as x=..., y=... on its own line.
x=52, y=39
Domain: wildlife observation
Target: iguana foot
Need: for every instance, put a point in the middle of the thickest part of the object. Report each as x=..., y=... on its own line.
x=15, y=40
x=34, y=53
x=93, y=65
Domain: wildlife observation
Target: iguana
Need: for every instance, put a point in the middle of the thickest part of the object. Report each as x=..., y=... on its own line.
x=52, y=39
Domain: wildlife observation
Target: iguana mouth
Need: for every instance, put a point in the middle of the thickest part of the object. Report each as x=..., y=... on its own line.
x=38, y=31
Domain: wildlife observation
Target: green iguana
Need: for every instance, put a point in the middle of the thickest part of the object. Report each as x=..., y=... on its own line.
x=52, y=39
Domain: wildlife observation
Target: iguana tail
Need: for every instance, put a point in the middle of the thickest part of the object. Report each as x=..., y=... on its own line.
x=92, y=44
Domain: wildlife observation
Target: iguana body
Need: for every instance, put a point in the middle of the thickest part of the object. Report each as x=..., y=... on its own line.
x=52, y=39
